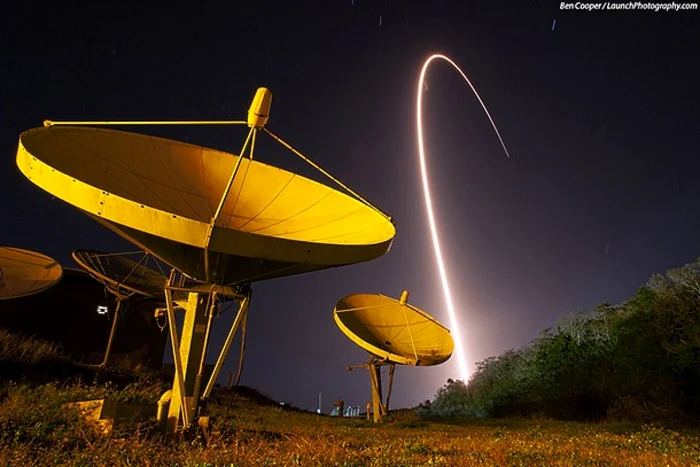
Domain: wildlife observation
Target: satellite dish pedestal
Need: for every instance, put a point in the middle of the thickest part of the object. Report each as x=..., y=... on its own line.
x=191, y=351
x=374, y=367
x=375, y=375
x=189, y=347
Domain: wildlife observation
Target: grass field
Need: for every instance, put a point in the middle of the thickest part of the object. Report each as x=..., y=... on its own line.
x=35, y=429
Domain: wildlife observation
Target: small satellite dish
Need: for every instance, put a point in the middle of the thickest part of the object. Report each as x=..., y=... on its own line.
x=24, y=272
x=393, y=332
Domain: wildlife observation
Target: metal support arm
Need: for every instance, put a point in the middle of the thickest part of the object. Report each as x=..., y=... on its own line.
x=241, y=316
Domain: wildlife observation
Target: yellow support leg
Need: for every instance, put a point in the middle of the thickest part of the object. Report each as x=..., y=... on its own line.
x=192, y=339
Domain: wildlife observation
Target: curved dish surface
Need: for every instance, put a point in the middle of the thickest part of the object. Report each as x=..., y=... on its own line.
x=121, y=274
x=161, y=195
x=24, y=272
x=399, y=333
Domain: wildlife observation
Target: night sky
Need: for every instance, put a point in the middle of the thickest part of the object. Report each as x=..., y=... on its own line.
x=601, y=115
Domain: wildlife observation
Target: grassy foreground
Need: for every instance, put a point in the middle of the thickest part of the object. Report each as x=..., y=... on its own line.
x=35, y=429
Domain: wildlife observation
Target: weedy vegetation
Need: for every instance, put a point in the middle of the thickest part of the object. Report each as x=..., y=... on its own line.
x=36, y=428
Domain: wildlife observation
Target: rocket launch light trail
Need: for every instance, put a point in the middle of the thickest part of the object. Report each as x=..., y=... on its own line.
x=461, y=358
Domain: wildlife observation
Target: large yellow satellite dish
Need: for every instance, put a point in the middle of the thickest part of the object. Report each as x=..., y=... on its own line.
x=24, y=272
x=162, y=195
x=221, y=220
x=393, y=330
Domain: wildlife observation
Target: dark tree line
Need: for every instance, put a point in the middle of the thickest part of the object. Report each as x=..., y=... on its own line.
x=639, y=360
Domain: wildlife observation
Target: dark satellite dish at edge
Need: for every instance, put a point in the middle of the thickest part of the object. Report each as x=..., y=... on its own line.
x=25, y=272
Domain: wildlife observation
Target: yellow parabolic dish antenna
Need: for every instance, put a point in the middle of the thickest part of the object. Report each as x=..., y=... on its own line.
x=24, y=272
x=393, y=330
x=162, y=194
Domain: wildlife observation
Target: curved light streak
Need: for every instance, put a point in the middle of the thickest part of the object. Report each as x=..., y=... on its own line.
x=461, y=358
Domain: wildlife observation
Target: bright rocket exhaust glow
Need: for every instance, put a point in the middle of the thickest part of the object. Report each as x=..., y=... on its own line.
x=456, y=335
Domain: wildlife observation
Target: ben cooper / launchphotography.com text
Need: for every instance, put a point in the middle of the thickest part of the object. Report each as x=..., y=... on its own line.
x=673, y=6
